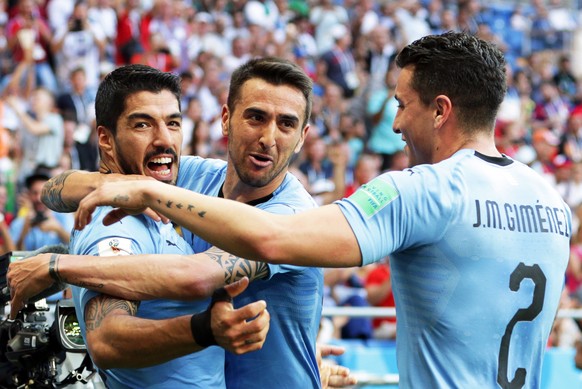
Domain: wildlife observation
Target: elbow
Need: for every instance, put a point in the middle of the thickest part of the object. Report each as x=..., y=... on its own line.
x=199, y=288
x=102, y=354
x=267, y=247
x=194, y=281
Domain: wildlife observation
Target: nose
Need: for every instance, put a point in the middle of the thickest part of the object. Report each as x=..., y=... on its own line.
x=395, y=126
x=163, y=137
x=268, y=134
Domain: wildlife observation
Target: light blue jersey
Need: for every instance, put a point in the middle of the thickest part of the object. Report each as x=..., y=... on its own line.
x=141, y=235
x=293, y=294
x=478, y=249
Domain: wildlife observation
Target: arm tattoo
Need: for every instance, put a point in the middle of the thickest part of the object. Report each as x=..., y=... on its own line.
x=82, y=284
x=236, y=268
x=52, y=194
x=190, y=208
x=101, y=306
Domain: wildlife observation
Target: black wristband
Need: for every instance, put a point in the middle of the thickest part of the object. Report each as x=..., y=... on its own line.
x=200, y=322
x=53, y=266
x=201, y=331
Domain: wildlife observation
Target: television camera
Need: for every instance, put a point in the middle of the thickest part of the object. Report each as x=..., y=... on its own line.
x=34, y=346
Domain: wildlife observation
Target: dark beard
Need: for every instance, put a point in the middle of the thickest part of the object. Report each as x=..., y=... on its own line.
x=126, y=167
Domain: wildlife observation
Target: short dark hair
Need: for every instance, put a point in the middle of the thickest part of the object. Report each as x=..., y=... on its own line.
x=41, y=173
x=125, y=81
x=276, y=71
x=469, y=70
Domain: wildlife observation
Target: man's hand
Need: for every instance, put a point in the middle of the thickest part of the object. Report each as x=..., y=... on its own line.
x=26, y=279
x=240, y=330
x=333, y=375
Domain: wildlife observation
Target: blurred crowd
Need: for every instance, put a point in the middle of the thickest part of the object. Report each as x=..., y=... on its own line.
x=54, y=52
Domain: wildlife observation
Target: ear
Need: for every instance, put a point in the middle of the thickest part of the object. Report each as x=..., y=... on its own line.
x=304, y=132
x=443, y=108
x=106, y=143
x=225, y=117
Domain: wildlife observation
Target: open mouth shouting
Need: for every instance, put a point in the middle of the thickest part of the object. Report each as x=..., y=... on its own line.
x=161, y=168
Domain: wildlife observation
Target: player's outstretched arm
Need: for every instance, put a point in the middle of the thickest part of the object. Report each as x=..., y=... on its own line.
x=63, y=192
x=131, y=277
x=317, y=237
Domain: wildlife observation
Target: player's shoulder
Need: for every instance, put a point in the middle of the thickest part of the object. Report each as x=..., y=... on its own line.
x=192, y=161
x=291, y=194
x=194, y=170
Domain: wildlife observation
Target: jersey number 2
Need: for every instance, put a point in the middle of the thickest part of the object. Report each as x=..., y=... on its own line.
x=521, y=272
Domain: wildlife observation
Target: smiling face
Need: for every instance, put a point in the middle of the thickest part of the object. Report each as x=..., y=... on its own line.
x=264, y=131
x=148, y=139
x=414, y=120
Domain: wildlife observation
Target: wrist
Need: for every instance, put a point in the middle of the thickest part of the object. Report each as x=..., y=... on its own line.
x=53, y=268
x=200, y=323
x=201, y=329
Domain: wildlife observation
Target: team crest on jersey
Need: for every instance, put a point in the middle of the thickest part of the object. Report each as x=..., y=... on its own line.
x=374, y=196
x=114, y=246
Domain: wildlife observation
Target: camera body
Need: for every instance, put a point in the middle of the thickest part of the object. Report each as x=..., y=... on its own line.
x=32, y=349
x=76, y=25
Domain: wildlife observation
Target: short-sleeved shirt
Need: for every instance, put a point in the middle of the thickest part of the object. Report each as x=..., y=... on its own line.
x=36, y=238
x=141, y=235
x=478, y=249
x=293, y=294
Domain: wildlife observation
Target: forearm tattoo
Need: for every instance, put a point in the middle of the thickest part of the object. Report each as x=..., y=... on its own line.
x=190, y=208
x=236, y=268
x=52, y=194
x=101, y=306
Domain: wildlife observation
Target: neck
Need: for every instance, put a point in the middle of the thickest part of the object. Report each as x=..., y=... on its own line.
x=482, y=142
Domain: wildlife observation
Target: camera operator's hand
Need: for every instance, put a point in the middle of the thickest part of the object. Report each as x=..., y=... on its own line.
x=26, y=279
x=240, y=330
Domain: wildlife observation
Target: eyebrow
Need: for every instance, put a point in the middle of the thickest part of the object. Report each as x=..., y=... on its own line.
x=141, y=115
x=258, y=111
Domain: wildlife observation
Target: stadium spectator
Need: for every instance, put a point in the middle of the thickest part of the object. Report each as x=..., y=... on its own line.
x=380, y=53
x=78, y=43
x=28, y=30
x=104, y=14
x=571, y=139
x=42, y=131
x=196, y=131
x=324, y=17
x=128, y=34
x=379, y=294
x=367, y=167
x=565, y=79
x=338, y=65
x=545, y=144
x=77, y=107
x=171, y=27
x=381, y=109
x=551, y=110
x=36, y=225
